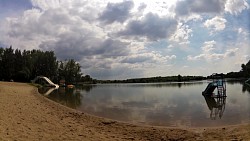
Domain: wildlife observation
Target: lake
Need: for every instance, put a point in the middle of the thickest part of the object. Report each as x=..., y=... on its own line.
x=159, y=104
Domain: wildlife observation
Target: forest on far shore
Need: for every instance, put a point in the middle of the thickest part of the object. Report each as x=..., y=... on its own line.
x=243, y=73
x=23, y=66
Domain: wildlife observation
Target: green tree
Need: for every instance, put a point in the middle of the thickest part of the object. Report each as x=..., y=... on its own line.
x=26, y=65
x=245, y=68
x=18, y=65
x=43, y=63
x=8, y=64
x=1, y=64
x=179, y=78
x=70, y=70
x=87, y=79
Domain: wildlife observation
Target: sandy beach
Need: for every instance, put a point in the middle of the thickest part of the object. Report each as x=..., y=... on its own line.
x=27, y=115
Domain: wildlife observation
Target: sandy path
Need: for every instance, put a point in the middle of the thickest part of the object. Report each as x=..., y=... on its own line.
x=26, y=115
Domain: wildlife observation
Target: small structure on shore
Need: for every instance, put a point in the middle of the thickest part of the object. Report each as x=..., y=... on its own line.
x=62, y=83
x=216, y=101
x=48, y=82
x=218, y=83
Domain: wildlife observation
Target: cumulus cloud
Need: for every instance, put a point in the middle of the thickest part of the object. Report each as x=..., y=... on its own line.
x=150, y=57
x=19, y=27
x=236, y=6
x=68, y=35
x=136, y=59
x=216, y=23
x=34, y=22
x=71, y=35
x=209, y=54
x=142, y=7
x=116, y=12
x=243, y=34
x=77, y=47
x=208, y=46
x=188, y=7
x=231, y=52
x=46, y=4
x=116, y=72
x=247, y=57
x=151, y=26
x=80, y=8
x=182, y=34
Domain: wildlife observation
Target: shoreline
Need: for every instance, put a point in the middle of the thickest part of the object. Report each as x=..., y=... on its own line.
x=27, y=115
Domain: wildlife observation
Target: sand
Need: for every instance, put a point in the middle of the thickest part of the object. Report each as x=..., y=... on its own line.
x=27, y=115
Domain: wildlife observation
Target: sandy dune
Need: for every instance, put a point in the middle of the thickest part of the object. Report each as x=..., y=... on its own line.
x=26, y=115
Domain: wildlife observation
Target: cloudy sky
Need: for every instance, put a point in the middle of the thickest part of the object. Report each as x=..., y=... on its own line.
x=120, y=39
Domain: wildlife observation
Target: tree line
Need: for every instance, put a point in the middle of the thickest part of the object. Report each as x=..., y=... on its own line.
x=243, y=73
x=177, y=78
x=23, y=66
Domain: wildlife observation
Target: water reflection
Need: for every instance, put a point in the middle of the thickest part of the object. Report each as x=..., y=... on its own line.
x=163, y=84
x=216, y=106
x=246, y=88
x=46, y=90
x=162, y=104
x=86, y=88
x=68, y=97
x=71, y=97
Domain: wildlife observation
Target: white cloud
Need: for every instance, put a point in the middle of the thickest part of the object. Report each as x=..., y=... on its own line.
x=46, y=4
x=147, y=58
x=188, y=7
x=182, y=34
x=236, y=6
x=158, y=7
x=208, y=46
x=209, y=53
x=195, y=58
x=243, y=33
x=246, y=57
x=216, y=24
x=242, y=55
x=231, y=52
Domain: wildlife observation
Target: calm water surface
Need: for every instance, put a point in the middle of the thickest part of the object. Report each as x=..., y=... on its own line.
x=161, y=104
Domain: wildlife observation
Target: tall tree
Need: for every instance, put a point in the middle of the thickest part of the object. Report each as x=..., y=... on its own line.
x=18, y=65
x=8, y=64
x=70, y=70
x=1, y=64
x=26, y=65
x=44, y=63
x=245, y=68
